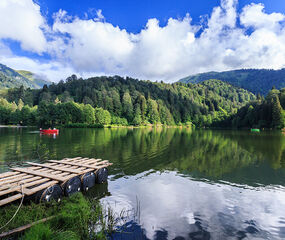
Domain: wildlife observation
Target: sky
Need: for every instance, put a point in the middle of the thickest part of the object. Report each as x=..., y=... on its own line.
x=151, y=39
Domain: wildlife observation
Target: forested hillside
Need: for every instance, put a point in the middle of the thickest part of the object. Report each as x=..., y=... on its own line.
x=10, y=78
x=255, y=80
x=128, y=101
x=266, y=112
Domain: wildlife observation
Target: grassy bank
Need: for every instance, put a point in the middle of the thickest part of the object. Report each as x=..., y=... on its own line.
x=86, y=125
x=74, y=218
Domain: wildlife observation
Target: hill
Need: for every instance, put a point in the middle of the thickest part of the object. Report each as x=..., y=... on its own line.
x=266, y=112
x=136, y=102
x=255, y=80
x=10, y=78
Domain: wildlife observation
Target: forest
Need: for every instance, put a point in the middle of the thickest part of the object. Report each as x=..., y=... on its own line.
x=254, y=80
x=122, y=101
x=268, y=112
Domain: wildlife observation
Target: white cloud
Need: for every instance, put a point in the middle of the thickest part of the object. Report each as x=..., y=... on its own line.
x=53, y=71
x=93, y=45
x=161, y=195
x=254, y=15
x=228, y=40
x=99, y=15
x=22, y=21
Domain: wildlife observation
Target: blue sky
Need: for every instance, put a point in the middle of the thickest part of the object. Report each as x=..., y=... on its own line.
x=156, y=40
x=133, y=15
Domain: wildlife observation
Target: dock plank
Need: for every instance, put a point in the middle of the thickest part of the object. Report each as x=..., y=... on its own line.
x=38, y=176
x=33, y=178
x=79, y=164
x=10, y=199
x=24, y=186
x=40, y=187
x=56, y=168
x=39, y=173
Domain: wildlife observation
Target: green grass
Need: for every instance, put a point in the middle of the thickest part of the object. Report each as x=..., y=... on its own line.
x=83, y=125
x=74, y=218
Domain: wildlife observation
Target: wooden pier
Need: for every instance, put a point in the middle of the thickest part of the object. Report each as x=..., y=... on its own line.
x=52, y=180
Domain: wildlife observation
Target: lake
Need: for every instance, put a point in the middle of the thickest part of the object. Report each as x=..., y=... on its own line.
x=174, y=183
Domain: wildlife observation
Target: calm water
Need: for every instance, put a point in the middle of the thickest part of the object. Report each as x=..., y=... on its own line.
x=175, y=183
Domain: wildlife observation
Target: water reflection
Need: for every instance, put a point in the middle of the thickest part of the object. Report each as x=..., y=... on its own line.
x=176, y=207
x=232, y=156
x=188, y=184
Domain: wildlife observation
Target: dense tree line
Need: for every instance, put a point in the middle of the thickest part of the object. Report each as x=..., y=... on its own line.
x=51, y=114
x=262, y=113
x=255, y=80
x=130, y=101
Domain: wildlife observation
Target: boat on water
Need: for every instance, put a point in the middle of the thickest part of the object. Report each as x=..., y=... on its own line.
x=49, y=131
x=255, y=130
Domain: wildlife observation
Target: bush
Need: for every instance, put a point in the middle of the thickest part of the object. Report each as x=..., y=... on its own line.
x=83, y=125
x=39, y=232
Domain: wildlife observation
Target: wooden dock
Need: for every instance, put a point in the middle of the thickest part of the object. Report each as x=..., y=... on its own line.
x=53, y=179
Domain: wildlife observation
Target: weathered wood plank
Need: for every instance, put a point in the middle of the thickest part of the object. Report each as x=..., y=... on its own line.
x=90, y=161
x=38, y=188
x=6, y=174
x=56, y=168
x=18, y=188
x=39, y=173
x=14, y=180
x=72, y=159
x=12, y=177
x=78, y=164
x=22, y=228
x=54, y=172
x=10, y=199
x=19, y=182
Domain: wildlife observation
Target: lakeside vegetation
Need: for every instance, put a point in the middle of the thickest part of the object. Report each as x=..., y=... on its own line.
x=268, y=112
x=119, y=101
x=255, y=80
x=75, y=218
x=205, y=153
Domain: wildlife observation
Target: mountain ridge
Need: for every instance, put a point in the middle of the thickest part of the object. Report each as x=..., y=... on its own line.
x=254, y=80
x=10, y=78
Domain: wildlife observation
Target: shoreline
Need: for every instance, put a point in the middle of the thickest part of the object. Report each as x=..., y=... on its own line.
x=12, y=126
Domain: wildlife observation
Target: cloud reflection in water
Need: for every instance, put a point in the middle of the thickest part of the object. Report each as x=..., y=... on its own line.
x=177, y=207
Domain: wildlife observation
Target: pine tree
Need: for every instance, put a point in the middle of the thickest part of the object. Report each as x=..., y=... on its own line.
x=137, y=118
x=128, y=106
x=20, y=104
x=276, y=112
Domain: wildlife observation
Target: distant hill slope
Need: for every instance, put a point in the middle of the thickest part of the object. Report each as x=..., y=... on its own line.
x=255, y=80
x=10, y=78
x=137, y=102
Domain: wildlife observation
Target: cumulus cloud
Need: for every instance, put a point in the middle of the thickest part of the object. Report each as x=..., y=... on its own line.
x=21, y=20
x=228, y=40
x=50, y=70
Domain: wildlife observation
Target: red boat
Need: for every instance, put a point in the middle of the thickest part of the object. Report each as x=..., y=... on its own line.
x=49, y=131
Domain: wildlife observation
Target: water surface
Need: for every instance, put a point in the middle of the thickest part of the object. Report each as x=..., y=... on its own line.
x=175, y=183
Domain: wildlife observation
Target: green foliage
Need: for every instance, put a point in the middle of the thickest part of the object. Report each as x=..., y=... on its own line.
x=72, y=219
x=255, y=80
x=39, y=232
x=119, y=101
x=102, y=116
x=276, y=113
x=74, y=215
x=137, y=116
x=263, y=113
x=119, y=121
x=83, y=125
